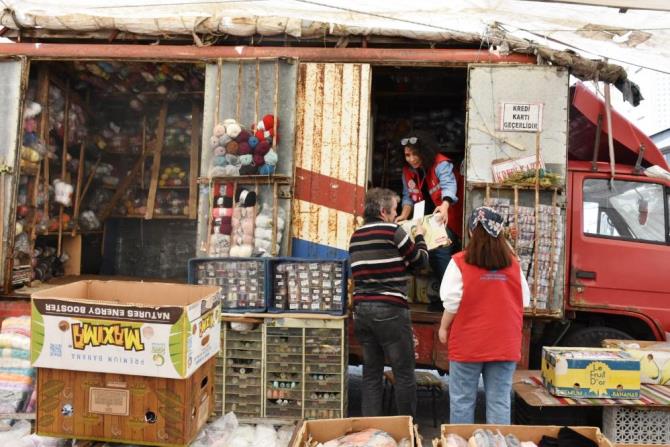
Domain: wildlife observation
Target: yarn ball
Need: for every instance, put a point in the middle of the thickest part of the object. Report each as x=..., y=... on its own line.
x=232, y=148
x=266, y=170
x=217, y=171
x=247, y=225
x=223, y=202
x=263, y=220
x=241, y=251
x=233, y=160
x=263, y=135
x=259, y=160
x=227, y=220
x=271, y=157
x=219, y=130
x=231, y=171
x=263, y=233
x=224, y=139
x=246, y=159
x=220, y=160
x=229, y=121
x=243, y=149
x=250, y=169
x=223, y=189
x=253, y=141
x=262, y=148
x=213, y=141
x=248, y=239
x=219, y=151
x=237, y=212
x=236, y=221
x=243, y=136
x=233, y=130
x=245, y=198
x=226, y=228
x=266, y=123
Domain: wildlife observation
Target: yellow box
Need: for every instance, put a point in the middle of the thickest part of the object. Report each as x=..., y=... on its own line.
x=654, y=358
x=590, y=372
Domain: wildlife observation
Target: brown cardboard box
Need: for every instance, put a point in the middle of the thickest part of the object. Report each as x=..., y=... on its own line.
x=532, y=433
x=121, y=408
x=654, y=358
x=322, y=430
x=126, y=327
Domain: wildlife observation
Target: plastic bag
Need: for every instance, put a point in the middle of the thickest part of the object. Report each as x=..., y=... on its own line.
x=371, y=437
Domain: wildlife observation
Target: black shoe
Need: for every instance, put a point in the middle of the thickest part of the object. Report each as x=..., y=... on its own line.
x=435, y=306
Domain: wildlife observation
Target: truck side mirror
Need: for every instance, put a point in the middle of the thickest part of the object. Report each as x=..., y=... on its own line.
x=642, y=211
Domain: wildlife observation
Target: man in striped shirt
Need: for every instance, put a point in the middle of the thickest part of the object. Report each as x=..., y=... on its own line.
x=382, y=255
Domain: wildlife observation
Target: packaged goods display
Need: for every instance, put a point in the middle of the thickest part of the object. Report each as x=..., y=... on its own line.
x=323, y=378
x=539, y=262
x=242, y=280
x=308, y=286
x=284, y=372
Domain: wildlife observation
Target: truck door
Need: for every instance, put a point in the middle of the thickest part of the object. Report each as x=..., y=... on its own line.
x=330, y=157
x=13, y=77
x=620, y=245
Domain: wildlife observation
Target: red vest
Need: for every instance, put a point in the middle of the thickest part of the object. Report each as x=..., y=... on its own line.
x=488, y=324
x=414, y=186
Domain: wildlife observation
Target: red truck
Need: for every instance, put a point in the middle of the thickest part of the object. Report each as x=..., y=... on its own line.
x=616, y=244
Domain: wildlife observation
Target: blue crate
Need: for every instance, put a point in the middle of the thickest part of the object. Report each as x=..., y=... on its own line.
x=236, y=278
x=322, y=281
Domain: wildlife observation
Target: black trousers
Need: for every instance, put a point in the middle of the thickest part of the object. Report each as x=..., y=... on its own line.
x=385, y=331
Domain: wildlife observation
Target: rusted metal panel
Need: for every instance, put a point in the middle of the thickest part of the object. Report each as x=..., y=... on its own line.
x=332, y=120
x=12, y=81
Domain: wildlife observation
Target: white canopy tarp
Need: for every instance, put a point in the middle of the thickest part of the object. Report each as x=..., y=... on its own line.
x=636, y=37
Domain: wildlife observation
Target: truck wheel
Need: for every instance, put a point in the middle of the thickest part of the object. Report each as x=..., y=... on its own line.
x=592, y=337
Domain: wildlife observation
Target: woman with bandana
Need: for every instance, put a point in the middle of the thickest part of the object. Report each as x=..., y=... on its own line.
x=430, y=176
x=484, y=292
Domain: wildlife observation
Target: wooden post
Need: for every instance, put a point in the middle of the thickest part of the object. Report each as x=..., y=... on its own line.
x=276, y=105
x=275, y=212
x=80, y=178
x=193, y=164
x=91, y=175
x=66, y=137
x=156, y=165
x=43, y=99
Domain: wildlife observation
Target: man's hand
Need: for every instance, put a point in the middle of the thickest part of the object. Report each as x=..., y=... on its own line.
x=442, y=334
x=418, y=228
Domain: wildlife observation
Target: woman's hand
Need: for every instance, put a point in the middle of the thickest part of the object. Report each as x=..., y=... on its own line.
x=443, y=209
x=404, y=214
x=442, y=334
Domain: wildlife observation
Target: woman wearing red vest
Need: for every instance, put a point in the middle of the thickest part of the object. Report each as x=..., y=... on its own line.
x=430, y=176
x=484, y=292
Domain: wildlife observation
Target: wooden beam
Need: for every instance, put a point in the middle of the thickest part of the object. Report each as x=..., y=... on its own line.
x=123, y=186
x=156, y=166
x=654, y=5
x=193, y=164
x=77, y=191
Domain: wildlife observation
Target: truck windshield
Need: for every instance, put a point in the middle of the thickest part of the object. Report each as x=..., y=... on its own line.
x=629, y=210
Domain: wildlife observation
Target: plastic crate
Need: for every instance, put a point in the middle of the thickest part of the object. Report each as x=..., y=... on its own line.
x=243, y=281
x=307, y=285
x=637, y=425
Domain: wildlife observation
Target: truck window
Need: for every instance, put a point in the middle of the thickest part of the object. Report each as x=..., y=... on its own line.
x=628, y=210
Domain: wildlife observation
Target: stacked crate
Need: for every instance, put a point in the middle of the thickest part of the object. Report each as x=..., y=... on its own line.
x=239, y=372
x=303, y=368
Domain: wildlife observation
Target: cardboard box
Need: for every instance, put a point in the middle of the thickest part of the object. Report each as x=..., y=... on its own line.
x=121, y=408
x=654, y=357
x=523, y=432
x=590, y=372
x=125, y=327
x=322, y=430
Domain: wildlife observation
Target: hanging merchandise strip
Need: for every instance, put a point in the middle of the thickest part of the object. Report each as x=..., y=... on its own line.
x=516, y=217
x=275, y=204
x=217, y=118
x=537, y=219
x=553, y=270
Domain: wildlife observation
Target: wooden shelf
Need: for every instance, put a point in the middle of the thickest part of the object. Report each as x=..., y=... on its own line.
x=155, y=216
x=245, y=179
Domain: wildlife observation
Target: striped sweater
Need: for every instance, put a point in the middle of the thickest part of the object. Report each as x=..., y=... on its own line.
x=381, y=256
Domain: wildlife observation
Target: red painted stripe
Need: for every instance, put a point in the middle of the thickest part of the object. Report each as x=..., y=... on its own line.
x=328, y=191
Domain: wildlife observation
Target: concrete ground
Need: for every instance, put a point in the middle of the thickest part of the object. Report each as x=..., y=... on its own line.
x=424, y=414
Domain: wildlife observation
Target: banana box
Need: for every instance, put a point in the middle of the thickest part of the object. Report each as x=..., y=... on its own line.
x=590, y=372
x=654, y=358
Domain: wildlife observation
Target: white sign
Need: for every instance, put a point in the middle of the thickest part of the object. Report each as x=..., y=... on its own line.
x=520, y=117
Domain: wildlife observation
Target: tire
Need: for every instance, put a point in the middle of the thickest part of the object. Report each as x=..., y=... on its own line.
x=592, y=337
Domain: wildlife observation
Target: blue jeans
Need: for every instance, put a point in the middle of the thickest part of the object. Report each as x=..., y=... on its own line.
x=463, y=383
x=439, y=259
x=385, y=331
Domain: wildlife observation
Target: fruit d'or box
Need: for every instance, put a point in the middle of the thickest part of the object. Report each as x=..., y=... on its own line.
x=590, y=372
x=121, y=408
x=126, y=327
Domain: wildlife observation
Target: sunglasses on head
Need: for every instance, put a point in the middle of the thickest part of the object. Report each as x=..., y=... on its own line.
x=410, y=140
